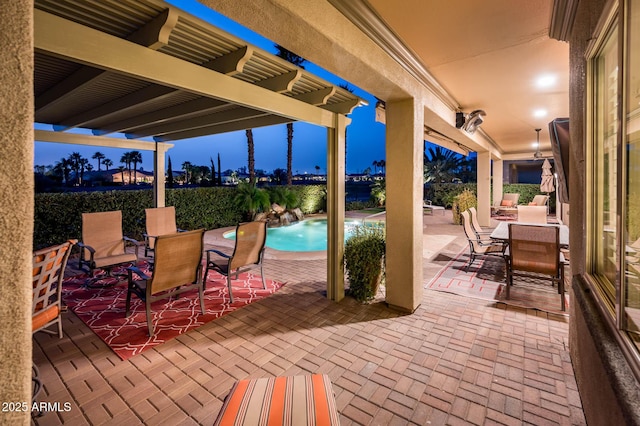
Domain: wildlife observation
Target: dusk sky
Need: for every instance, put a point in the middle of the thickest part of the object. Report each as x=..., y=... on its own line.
x=365, y=137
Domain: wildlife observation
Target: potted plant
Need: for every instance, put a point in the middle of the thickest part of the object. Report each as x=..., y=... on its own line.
x=364, y=254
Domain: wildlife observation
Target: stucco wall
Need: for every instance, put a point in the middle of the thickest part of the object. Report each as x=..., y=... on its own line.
x=16, y=205
x=607, y=386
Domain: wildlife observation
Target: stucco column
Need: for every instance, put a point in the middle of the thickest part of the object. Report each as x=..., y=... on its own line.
x=405, y=130
x=335, y=207
x=16, y=208
x=484, y=188
x=497, y=178
x=159, y=174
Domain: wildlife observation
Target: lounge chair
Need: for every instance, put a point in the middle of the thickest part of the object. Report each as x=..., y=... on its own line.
x=48, y=273
x=535, y=249
x=247, y=253
x=159, y=221
x=103, y=244
x=539, y=200
x=477, y=246
x=177, y=267
x=427, y=206
x=508, y=204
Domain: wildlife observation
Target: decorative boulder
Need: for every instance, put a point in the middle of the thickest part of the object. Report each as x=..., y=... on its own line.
x=297, y=213
x=261, y=216
x=277, y=208
x=286, y=218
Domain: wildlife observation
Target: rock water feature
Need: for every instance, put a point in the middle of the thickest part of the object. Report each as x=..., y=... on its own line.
x=279, y=216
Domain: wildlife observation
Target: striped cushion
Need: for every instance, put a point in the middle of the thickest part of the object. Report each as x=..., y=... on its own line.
x=293, y=400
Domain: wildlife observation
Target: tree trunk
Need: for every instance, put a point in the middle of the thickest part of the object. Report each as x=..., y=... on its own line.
x=289, y=153
x=251, y=159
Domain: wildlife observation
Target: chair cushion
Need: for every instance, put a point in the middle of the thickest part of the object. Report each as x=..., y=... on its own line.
x=295, y=400
x=42, y=318
x=506, y=203
x=532, y=204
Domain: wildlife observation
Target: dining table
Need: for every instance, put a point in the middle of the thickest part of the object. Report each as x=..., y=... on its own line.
x=501, y=232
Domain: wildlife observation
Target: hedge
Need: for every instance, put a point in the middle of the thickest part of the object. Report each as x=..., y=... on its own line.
x=58, y=216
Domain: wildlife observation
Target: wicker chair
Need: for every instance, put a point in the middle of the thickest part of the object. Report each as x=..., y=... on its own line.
x=247, y=253
x=159, y=221
x=477, y=246
x=178, y=268
x=535, y=249
x=48, y=273
x=103, y=244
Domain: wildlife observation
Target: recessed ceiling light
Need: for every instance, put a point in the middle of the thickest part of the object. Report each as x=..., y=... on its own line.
x=546, y=80
x=539, y=113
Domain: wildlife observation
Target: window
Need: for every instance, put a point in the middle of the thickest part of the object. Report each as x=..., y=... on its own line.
x=631, y=114
x=613, y=224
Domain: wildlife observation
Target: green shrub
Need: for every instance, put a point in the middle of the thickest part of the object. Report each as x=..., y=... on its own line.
x=283, y=196
x=462, y=202
x=379, y=192
x=364, y=255
x=251, y=200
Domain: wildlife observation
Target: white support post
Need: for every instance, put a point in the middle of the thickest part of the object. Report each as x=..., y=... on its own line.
x=158, y=174
x=335, y=207
x=404, y=186
x=497, y=178
x=484, y=185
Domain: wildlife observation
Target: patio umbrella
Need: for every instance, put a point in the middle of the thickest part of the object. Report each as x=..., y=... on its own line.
x=547, y=178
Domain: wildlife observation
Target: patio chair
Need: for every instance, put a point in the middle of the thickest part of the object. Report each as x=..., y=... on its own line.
x=247, y=253
x=103, y=245
x=476, y=226
x=477, y=246
x=539, y=200
x=532, y=214
x=508, y=204
x=534, y=250
x=48, y=273
x=159, y=221
x=177, y=269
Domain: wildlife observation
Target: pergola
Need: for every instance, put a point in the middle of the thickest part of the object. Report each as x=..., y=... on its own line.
x=155, y=74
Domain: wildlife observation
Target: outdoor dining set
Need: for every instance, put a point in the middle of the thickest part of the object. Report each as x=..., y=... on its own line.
x=530, y=246
x=176, y=266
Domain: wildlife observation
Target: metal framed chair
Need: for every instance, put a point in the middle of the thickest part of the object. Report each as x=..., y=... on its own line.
x=48, y=272
x=477, y=246
x=535, y=249
x=532, y=214
x=476, y=226
x=103, y=244
x=247, y=253
x=177, y=268
x=158, y=221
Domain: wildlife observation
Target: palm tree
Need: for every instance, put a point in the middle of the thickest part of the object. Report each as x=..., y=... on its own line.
x=298, y=61
x=75, y=159
x=187, y=166
x=107, y=163
x=251, y=199
x=251, y=156
x=121, y=169
x=126, y=160
x=317, y=170
x=62, y=169
x=84, y=165
x=136, y=157
x=383, y=165
x=375, y=166
x=441, y=165
x=98, y=156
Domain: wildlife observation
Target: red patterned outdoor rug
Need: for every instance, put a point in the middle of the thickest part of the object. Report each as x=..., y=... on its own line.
x=103, y=309
x=486, y=280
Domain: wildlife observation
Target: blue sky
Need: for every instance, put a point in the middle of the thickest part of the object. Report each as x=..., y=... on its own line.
x=365, y=137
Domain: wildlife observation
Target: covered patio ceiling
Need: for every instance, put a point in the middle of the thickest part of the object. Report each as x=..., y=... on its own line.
x=147, y=70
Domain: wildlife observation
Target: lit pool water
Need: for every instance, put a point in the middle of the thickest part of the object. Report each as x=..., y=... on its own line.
x=306, y=235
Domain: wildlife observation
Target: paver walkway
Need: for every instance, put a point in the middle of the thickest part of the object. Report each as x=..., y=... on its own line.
x=453, y=361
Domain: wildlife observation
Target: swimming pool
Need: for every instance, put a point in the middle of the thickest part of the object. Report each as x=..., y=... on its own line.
x=306, y=235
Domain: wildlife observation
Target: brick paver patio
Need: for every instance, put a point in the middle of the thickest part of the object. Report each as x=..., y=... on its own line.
x=455, y=360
